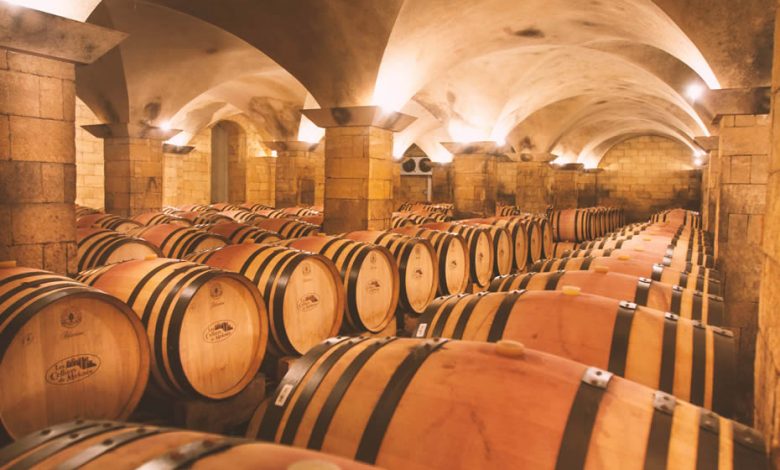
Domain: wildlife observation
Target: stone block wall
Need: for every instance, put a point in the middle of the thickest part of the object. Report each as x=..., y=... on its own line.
x=37, y=162
x=186, y=178
x=411, y=189
x=89, y=160
x=647, y=174
x=261, y=180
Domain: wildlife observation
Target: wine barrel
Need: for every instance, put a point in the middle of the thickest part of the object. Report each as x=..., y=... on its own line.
x=301, y=211
x=107, y=221
x=408, y=219
x=417, y=266
x=159, y=218
x=84, y=210
x=177, y=242
x=205, y=218
x=236, y=233
x=244, y=216
x=196, y=208
x=634, y=267
x=647, y=346
x=708, y=309
x=678, y=217
x=207, y=328
x=536, y=239
x=66, y=351
x=503, y=247
x=99, y=247
x=271, y=213
x=127, y=446
x=480, y=244
x=370, y=277
x=288, y=228
x=560, y=249
x=302, y=291
x=518, y=230
x=255, y=207
x=653, y=243
x=504, y=406
x=453, y=254
x=546, y=229
x=676, y=256
x=224, y=206
x=572, y=225
x=692, y=267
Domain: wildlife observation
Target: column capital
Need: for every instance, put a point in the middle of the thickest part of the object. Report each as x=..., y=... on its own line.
x=125, y=130
x=359, y=116
x=291, y=146
x=709, y=143
x=476, y=148
x=537, y=157
x=53, y=37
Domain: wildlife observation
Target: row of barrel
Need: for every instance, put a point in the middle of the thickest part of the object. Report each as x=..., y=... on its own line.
x=576, y=356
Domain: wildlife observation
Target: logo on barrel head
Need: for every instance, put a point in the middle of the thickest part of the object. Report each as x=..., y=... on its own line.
x=453, y=264
x=418, y=273
x=372, y=258
x=219, y=331
x=216, y=290
x=73, y=369
x=373, y=286
x=70, y=318
x=308, y=302
x=306, y=269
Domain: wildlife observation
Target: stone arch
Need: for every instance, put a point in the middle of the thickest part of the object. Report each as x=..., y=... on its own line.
x=228, y=162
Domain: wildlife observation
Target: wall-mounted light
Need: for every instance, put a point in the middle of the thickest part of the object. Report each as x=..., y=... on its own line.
x=274, y=153
x=166, y=125
x=694, y=91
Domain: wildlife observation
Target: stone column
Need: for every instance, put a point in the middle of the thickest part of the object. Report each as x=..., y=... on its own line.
x=358, y=166
x=299, y=170
x=37, y=133
x=534, y=182
x=133, y=166
x=474, y=177
x=587, y=187
x=743, y=166
x=564, y=194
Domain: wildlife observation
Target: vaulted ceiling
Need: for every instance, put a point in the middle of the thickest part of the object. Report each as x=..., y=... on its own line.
x=569, y=77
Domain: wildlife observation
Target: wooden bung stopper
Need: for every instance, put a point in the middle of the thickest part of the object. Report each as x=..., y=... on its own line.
x=624, y=257
x=602, y=269
x=510, y=348
x=7, y=264
x=571, y=290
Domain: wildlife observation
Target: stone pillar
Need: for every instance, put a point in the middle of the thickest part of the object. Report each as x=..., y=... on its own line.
x=767, y=365
x=587, y=187
x=37, y=133
x=298, y=173
x=534, y=182
x=133, y=166
x=743, y=166
x=474, y=177
x=564, y=193
x=358, y=166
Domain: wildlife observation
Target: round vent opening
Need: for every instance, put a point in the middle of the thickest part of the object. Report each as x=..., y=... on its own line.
x=408, y=165
x=425, y=165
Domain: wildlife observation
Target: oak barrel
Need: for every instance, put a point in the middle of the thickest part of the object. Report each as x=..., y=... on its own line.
x=707, y=308
x=453, y=254
x=572, y=225
x=625, y=264
x=683, y=261
x=480, y=244
x=244, y=216
x=97, y=445
x=678, y=356
x=177, y=242
x=503, y=246
x=417, y=266
x=288, y=228
x=107, y=221
x=236, y=233
x=370, y=277
x=66, y=351
x=302, y=291
x=158, y=218
x=207, y=328
x=99, y=247
x=439, y=404
x=518, y=230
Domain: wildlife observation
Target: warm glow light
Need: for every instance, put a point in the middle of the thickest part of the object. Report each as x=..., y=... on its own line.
x=179, y=139
x=694, y=91
x=166, y=125
x=309, y=132
x=75, y=10
x=274, y=153
x=698, y=162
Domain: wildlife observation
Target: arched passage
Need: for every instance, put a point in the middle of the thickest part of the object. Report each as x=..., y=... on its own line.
x=228, y=162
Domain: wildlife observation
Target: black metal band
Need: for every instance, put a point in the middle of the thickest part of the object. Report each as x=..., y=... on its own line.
x=184, y=456
x=310, y=388
x=697, y=306
x=63, y=442
x=708, y=443
x=668, y=353
x=552, y=281
x=465, y=315
x=621, y=333
x=699, y=366
x=715, y=311
x=724, y=370
x=642, y=291
x=287, y=387
x=109, y=445
x=524, y=280
x=501, y=317
x=586, y=262
x=575, y=442
x=350, y=280
x=391, y=396
x=658, y=272
x=331, y=404
x=31, y=441
x=657, y=453
x=676, y=301
x=749, y=448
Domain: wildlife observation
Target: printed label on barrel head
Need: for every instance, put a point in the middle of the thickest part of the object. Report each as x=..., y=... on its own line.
x=308, y=302
x=373, y=286
x=70, y=318
x=73, y=369
x=219, y=331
